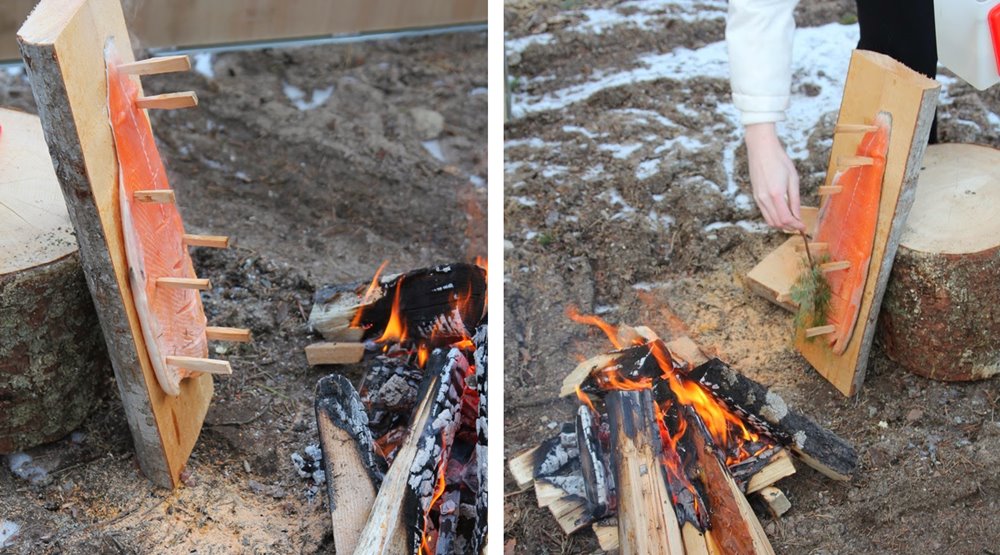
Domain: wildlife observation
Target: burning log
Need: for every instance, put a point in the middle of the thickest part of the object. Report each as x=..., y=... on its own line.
x=441, y=305
x=817, y=447
x=647, y=523
x=597, y=482
x=481, y=361
x=349, y=461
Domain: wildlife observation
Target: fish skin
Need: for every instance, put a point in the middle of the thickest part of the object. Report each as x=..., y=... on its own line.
x=847, y=223
x=172, y=320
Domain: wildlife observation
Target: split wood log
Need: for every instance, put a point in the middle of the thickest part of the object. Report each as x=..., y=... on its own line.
x=63, y=47
x=598, y=484
x=53, y=361
x=779, y=466
x=386, y=530
x=427, y=302
x=647, y=524
x=816, y=446
x=877, y=84
x=941, y=313
x=334, y=353
x=771, y=501
x=349, y=461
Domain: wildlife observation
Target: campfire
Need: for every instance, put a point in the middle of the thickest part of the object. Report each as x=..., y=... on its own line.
x=670, y=452
x=405, y=450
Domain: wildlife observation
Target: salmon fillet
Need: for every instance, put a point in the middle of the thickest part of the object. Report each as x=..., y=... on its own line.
x=847, y=222
x=172, y=320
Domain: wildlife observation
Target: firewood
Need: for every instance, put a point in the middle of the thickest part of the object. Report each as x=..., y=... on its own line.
x=52, y=356
x=596, y=478
x=816, y=446
x=334, y=353
x=522, y=467
x=607, y=534
x=647, y=524
x=582, y=371
x=772, y=501
x=779, y=466
x=940, y=317
x=348, y=459
x=427, y=298
x=385, y=532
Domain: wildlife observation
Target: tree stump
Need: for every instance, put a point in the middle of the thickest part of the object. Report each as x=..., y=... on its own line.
x=941, y=313
x=53, y=361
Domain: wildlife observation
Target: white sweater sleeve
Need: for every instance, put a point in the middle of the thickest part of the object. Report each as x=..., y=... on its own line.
x=759, y=39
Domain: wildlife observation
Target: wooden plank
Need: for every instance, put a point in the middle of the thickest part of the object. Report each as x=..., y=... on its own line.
x=877, y=83
x=522, y=467
x=773, y=277
x=196, y=22
x=334, y=353
x=63, y=47
x=780, y=466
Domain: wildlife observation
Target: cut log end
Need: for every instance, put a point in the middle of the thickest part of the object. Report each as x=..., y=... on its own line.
x=334, y=353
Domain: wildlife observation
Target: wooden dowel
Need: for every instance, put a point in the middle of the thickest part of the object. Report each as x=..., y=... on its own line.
x=813, y=247
x=200, y=284
x=155, y=66
x=206, y=365
x=239, y=335
x=213, y=241
x=854, y=128
x=159, y=196
x=830, y=190
x=835, y=266
x=820, y=330
x=169, y=101
x=852, y=161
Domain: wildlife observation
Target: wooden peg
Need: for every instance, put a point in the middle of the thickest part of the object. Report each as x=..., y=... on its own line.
x=184, y=283
x=852, y=161
x=213, y=241
x=206, y=365
x=820, y=330
x=169, y=101
x=854, y=128
x=830, y=190
x=155, y=66
x=813, y=247
x=239, y=335
x=158, y=196
x=783, y=298
x=835, y=266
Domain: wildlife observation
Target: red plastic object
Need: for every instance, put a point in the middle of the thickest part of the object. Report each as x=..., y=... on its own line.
x=993, y=19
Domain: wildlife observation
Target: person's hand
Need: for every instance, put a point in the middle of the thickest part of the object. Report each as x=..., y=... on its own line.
x=773, y=177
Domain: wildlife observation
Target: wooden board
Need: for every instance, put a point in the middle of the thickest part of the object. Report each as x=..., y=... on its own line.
x=62, y=44
x=877, y=83
x=158, y=24
x=773, y=277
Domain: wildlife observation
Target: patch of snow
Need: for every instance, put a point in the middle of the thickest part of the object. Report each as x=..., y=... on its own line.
x=478, y=91
x=8, y=531
x=531, y=142
x=298, y=97
x=525, y=201
x=477, y=181
x=203, y=64
x=434, y=148
x=553, y=170
x=521, y=43
x=22, y=465
x=647, y=169
x=661, y=221
x=649, y=286
x=615, y=199
x=621, y=152
x=593, y=172
x=581, y=130
x=688, y=143
x=14, y=70
x=746, y=225
x=645, y=116
x=658, y=197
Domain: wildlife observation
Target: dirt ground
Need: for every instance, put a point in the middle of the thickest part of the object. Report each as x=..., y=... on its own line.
x=311, y=196
x=616, y=201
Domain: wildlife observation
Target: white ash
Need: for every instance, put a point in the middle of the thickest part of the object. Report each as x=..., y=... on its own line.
x=397, y=392
x=310, y=464
x=800, y=438
x=571, y=484
x=555, y=458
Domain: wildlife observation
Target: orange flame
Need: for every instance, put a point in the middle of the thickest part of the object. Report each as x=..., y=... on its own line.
x=585, y=399
x=395, y=329
x=367, y=298
x=425, y=547
x=608, y=329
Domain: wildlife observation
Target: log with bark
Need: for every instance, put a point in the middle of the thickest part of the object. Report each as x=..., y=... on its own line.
x=53, y=362
x=427, y=305
x=941, y=313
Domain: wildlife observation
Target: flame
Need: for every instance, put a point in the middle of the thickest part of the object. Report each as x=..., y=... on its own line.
x=369, y=293
x=608, y=329
x=395, y=329
x=423, y=353
x=585, y=399
x=438, y=492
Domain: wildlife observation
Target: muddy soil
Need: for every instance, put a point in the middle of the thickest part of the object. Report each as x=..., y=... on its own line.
x=311, y=195
x=616, y=202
